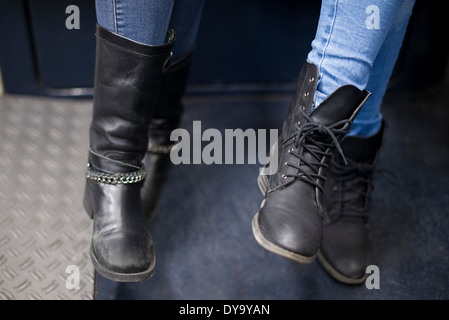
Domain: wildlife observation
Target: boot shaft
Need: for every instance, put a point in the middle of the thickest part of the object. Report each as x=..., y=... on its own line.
x=169, y=107
x=127, y=80
x=349, y=186
x=308, y=137
x=173, y=87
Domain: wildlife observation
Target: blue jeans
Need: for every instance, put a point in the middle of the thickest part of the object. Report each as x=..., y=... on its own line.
x=147, y=22
x=357, y=43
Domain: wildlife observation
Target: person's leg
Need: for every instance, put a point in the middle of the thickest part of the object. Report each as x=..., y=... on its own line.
x=132, y=53
x=169, y=109
x=146, y=22
x=357, y=42
x=369, y=120
x=331, y=90
x=185, y=20
x=367, y=61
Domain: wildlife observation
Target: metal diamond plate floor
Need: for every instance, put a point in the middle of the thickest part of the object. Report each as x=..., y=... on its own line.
x=44, y=232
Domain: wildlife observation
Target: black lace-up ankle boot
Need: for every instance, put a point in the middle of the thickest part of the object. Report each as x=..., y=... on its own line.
x=289, y=222
x=166, y=118
x=345, y=246
x=127, y=79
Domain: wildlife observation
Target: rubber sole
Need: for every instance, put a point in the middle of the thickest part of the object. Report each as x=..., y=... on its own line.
x=122, y=277
x=338, y=275
x=270, y=246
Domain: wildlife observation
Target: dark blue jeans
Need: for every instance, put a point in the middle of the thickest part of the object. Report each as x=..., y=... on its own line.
x=148, y=21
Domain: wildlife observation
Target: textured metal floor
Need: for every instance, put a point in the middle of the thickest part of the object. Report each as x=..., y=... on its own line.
x=44, y=231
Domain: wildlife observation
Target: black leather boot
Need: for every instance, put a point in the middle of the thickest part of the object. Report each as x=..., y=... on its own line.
x=345, y=246
x=289, y=222
x=167, y=117
x=127, y=80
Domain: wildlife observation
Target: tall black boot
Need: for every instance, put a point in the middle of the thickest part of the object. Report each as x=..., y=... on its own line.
x=289, y=222
x=345, y=246
x=167, y=117
x=127, y=80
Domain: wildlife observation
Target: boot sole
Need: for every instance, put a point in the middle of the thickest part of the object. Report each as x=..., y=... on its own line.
x=119, y=276
x=336, y=274
x=270, y=246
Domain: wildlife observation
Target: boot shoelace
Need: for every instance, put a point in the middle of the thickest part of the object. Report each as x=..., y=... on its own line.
x=355, y=184
x=316, y=139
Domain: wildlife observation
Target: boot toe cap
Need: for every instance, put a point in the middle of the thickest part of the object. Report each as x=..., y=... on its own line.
x=127, y=254
x=345, y=250
x=291, y=226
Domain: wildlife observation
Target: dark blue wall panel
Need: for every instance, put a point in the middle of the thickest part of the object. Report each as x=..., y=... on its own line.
x=253, y=43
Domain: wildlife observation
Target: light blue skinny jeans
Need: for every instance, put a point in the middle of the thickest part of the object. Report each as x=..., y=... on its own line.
x=357, y=43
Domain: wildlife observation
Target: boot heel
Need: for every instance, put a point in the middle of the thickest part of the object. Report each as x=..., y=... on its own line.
x=87, y=202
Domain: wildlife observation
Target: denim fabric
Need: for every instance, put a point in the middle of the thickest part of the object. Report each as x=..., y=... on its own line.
x=142, y=21
x=357, y=43
x=147, y=22
x=185, y=20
